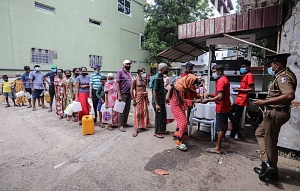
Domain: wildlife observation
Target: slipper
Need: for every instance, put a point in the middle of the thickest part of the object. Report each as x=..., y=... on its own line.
x=29, y=106
x=211, y=150
x=122, y=130
x=158, y=136
x=74, y=120
x=7, y=106
x=165, y=132
x=182, y=147
x=101, y=125
x=134, y=134
x=110, y=128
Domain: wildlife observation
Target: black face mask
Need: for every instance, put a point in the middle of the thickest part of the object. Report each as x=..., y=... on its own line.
x=83, y=73
x=69, y=75
x=76, y=74
x=60, y=75
x=127, y=67
x=166, y=72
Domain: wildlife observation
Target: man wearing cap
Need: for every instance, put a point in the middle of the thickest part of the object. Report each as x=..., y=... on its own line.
x=191, y=94
x=124, y=80
x=37, y=84
x=95, y=83
x=51, y=75
x=280, y=95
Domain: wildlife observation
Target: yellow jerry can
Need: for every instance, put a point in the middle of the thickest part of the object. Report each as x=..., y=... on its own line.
x=88, y=125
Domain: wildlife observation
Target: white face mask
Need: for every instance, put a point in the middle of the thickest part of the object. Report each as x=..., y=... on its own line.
x=215, y=75
x=37, y=69
x=110, y=81
x=144, y=75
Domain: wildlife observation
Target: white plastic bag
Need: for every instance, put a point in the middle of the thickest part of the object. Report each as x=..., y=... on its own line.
x=20, y=93
x=106, y=115
x=169, y=112
x=69, y=109
x=92, y=111
x=77, y=106
x=27, y=95
x=119, y=106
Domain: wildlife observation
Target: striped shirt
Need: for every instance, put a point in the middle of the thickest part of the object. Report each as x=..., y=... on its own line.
x=95, y=81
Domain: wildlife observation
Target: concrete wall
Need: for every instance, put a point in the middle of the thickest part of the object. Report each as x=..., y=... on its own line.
x=290, y=42
x=69, y=33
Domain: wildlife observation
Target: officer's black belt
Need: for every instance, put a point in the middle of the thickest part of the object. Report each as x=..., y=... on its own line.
x=280, y=109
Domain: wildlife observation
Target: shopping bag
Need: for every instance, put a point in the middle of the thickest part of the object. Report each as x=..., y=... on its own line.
x=76, y=106
x=92, y=111
x=169, y=112
x=69, y=109
x=2, y=99
x=47, y=96
x=106, y=115
x=119, y=106
x=27, y=95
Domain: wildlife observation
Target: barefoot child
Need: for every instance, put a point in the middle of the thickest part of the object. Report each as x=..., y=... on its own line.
x=6, y=89
x=101, y=96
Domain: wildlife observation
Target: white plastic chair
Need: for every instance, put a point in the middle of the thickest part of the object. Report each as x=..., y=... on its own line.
x=211, y=122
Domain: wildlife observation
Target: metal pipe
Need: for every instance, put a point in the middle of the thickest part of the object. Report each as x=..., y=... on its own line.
x=253, y=44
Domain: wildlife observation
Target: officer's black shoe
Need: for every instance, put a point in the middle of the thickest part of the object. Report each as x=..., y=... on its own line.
x=257, y=170
x=273, y=176
x=266, y=170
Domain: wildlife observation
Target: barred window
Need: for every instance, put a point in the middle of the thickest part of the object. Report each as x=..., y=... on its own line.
x=41, y=56
x=95, y=60
x=124, y=6
x=44, y=8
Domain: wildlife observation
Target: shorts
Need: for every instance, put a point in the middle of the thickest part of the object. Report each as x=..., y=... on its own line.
x=221, y=121
x=99, y=105
x=37, y=93
x=51, y=90
x=8, y=95
x=28, y=90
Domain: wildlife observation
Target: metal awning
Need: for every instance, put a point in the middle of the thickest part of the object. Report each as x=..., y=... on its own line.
x=262, y=22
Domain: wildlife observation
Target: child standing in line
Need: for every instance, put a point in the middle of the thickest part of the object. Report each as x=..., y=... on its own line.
x=7, y=90
x=101, y=96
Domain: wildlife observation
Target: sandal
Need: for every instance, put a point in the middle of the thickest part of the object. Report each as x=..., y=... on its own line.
x=211, y=150
x=158, y=136
x=74, y=120
x=101, y=125
x=110, y=128
x=182, y=147
x=68, y=119
x=7, y=106
x=135, y=133
x=122, y=129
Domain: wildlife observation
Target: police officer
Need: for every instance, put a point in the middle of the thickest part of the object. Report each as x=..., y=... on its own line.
x=277, y=104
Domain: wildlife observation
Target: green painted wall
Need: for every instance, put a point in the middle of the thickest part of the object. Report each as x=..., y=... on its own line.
x=69, y=33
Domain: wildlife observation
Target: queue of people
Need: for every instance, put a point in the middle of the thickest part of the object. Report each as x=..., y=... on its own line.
x=181, y=95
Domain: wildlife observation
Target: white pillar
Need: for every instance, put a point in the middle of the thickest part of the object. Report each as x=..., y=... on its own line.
x=216, y=4
x=222, y=10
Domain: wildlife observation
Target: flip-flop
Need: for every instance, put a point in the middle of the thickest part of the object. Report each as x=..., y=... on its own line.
x=34, y=109
x=182, y=147
x=122, y=130
x=74, y=120
x=29, y=106
x=158, y=136
x=165, y=132
x=7, y=106
x=211, y=150
x=110, y=128
x=134, y=134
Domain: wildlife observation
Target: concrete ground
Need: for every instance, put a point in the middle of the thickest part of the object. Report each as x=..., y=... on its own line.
x=40, y=152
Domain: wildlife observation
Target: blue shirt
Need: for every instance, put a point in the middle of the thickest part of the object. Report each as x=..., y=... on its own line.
x=37, y=79
x=83, y=81
x=26, y=80
x=51, y=75
x=95, y=80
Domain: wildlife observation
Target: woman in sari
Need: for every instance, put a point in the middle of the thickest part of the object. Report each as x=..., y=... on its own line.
x=83, y=93
x=140, y=102
x=69, y=90
x=18, y=84
x=111, y=96
x=179, y=105
x=59, y=93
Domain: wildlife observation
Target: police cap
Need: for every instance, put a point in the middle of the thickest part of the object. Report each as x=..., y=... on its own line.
x=277, y=57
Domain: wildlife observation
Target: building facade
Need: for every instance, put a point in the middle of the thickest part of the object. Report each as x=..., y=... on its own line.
x=71, y=34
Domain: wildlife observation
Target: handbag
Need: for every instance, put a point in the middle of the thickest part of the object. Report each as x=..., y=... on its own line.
x=106, y=115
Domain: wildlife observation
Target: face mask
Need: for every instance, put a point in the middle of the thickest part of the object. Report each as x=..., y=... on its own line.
x=127, y=67
x=76, y=74
x=96, y=72
x=271, y=72
x=69, y=75
x=215, y=75
x=243, y=70
x=37, y=69
x=60, y=75
x=83, y=73
x=110, y=81
x=53, y=70
x=166, y=72
x=144, y=75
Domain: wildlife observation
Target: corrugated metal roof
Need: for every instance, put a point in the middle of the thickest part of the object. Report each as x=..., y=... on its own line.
x=194, y=35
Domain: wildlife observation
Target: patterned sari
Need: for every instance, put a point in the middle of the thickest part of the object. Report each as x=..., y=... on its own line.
x=141, y=113
x=111, y=90
x=59, y=98
x=19, y=87
x=69, y=84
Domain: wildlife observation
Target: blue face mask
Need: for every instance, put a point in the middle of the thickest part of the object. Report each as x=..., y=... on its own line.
x=215, y=75
x=243, y=70
x=271, y=72
x=53, y=70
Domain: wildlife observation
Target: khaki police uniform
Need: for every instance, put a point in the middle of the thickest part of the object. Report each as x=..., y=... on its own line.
x=275, y=116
